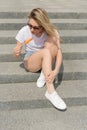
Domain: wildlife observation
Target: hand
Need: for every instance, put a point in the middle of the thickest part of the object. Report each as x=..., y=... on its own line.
x=17, y=50
x=50, y=77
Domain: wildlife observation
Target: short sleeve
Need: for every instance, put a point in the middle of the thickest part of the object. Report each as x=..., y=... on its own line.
x=20, y=36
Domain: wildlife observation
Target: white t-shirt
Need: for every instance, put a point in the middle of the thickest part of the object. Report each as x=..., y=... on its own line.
x=33, y=43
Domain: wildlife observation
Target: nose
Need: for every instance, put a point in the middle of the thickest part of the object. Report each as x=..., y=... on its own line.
x=32, y=30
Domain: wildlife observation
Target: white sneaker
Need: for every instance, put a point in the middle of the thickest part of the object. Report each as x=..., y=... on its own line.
x=56, y=100
x=41, y=80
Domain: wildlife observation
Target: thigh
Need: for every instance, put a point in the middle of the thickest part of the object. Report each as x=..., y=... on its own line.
x=52, y=48
x=34, y=62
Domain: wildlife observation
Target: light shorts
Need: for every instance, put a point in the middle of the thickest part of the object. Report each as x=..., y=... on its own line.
x=28, y=53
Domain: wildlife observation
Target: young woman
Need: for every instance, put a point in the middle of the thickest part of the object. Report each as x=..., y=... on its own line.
x=42, y=49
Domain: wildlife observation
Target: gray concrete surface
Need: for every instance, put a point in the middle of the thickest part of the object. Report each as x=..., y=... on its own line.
x=44, y=119
x=29, y=92
x=13, y=72
x=23, y=106
x=49, y=5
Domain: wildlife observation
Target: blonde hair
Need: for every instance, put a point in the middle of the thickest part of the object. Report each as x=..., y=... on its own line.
x=41, y=17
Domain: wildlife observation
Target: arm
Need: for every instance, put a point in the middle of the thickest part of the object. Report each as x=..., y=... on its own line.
x=50, y=78
x=17, y=49
x=20, y=38
x=59, y=56
x=58, y=61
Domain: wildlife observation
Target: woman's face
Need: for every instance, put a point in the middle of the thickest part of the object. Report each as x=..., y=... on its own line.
x=35, y=28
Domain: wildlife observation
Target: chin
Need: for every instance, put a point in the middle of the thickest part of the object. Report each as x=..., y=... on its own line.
x=32, y=32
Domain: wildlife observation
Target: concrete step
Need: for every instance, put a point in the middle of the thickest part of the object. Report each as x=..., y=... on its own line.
x=23, y=105
x=75, y=118
x=53, y=15
x=73, y=33
x=70, y=51
x=71, y=91
x=49, y=5
x=61, y=24
x=53, y=20
x=13, y=72
x=67, y=36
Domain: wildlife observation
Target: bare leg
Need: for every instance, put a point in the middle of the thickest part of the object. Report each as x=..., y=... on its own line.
x=48, y=62
x=43, y=59
x=47, y=67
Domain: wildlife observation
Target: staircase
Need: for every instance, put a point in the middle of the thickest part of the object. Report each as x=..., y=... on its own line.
x=73, y=31
x=18, y=89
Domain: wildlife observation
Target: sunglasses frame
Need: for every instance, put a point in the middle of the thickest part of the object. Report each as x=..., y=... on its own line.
x=34, y=27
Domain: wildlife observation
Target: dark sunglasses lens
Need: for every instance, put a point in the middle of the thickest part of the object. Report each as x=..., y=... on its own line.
x=37, y=28
x=34, y=27
x=30, y=25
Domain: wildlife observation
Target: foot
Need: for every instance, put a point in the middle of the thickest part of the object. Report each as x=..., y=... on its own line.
x=41, y=80
x=56, y=100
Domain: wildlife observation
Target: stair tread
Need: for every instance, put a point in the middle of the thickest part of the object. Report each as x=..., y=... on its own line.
x=12, y=33
x=66, y=48
x=57, y=20
x=11, y=68
x=29, y=91
x=53, y=7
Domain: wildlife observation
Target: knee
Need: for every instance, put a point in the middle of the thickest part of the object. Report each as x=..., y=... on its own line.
x=52, y=49
x=47, y=52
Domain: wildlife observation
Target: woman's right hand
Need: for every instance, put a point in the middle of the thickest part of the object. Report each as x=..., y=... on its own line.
x=17, y=49
x=51, y=76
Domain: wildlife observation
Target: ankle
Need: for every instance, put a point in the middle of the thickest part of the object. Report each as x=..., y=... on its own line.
x=50, y=89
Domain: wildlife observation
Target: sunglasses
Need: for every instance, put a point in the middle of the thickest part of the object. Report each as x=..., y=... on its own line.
x=34, y=27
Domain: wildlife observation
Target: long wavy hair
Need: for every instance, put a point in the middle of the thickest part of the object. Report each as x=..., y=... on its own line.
x=41, y=17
